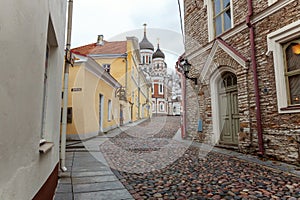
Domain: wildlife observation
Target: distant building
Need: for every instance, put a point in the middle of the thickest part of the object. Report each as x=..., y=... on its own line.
x=121, y=60
x=32, y=59
x=93, y=104
x=245, y=55
x=155, y=68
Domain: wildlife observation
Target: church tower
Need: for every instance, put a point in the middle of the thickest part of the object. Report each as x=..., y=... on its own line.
x=155, y=69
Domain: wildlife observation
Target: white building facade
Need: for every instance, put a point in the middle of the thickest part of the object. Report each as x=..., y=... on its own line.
x=155, y=68
x=32, y=57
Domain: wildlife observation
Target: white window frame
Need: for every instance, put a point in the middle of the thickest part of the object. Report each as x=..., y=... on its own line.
x=210, y=18
x=270, y=2
x=275, y=41
x=160, y=88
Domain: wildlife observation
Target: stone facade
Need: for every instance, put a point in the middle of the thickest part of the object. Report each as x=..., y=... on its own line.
x=231, y=52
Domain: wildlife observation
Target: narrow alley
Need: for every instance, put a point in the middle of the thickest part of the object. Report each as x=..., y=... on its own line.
x=147, y=160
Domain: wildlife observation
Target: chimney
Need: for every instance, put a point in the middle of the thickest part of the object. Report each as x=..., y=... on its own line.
x=100, y=40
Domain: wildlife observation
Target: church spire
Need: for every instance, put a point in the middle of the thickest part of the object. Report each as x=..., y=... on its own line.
x=145, y=25
x=145, y=44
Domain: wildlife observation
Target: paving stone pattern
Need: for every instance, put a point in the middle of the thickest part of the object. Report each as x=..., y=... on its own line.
x=146, y=161
x=212, y=176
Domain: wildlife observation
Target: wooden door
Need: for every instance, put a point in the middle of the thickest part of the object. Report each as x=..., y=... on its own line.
x=228, y=110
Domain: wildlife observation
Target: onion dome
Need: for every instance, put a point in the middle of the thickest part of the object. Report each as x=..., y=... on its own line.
x=145, y=44
x=158, y=53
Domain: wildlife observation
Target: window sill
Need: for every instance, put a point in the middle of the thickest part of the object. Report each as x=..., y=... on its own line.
x=45, y=147
x=294, y=108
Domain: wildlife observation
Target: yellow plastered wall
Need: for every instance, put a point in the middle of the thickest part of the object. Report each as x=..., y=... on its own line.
x=85, y=103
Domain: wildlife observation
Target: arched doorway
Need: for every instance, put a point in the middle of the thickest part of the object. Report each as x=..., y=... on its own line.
x=228, y=109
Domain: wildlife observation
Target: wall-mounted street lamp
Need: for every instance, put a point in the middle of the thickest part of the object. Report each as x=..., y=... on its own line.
x=121, y=93
x=186, y=66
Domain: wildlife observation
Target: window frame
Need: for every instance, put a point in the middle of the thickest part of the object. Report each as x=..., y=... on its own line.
x=287, y=74
x=221, y=14
x=160, y=88
x=275, y=40
x=210, y=19
x=45, y=91
x=161, y=107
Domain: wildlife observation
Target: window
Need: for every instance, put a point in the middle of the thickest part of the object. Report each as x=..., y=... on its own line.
x=284, y=45
x=69, y=115
x=49, y=91
x=221, y=16
x=109, y=115
x=161, y=106
x=106, y=67
x=161, y=89
x=291, y=52
x=153, y=106
x=152, y=89
x=45, y=91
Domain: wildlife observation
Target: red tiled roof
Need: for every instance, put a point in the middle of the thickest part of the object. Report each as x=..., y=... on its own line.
x=116, y=47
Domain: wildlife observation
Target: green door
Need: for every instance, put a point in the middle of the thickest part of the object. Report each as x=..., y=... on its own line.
x=228, y=107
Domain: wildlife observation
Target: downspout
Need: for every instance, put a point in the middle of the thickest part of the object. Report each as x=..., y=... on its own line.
x=139, y=95
x=255, y=77
x=183, y=93
x=65, y=89
x=126, y=70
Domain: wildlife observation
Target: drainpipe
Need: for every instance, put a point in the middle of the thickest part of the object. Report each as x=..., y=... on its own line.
x=183, y=93
x=139, y=94
x=65, y=89
x=256, y=86
x=126, y=70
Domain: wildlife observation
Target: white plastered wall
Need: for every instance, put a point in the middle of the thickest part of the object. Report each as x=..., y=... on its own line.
x=23, y=38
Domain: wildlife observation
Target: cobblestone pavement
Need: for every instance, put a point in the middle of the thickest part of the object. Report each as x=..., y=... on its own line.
x=152, y=165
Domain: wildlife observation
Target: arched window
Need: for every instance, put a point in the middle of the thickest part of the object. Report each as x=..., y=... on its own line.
x=228, y=80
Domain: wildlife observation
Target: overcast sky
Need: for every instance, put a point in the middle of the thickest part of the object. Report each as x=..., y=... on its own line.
x=116, y=19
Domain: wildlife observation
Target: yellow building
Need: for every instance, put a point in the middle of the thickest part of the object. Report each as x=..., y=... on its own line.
x=122, y=59
x=93, y=103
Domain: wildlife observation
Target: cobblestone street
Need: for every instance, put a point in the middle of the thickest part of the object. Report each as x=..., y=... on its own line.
x=191, y=176
x=148, y=161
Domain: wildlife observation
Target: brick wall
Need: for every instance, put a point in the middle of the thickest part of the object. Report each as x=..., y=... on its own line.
x=281, y=132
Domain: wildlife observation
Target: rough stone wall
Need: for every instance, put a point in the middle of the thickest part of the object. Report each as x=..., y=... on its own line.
x=281, y=132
